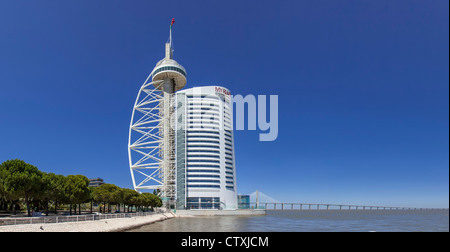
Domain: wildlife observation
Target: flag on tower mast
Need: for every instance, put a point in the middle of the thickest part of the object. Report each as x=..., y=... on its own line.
x=170, y=37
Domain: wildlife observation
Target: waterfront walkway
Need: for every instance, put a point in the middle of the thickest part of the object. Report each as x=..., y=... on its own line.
x=100, y=225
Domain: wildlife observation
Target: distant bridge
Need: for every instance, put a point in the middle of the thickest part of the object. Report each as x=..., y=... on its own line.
x=321, y=206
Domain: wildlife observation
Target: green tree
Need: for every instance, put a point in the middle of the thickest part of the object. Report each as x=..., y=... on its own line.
x=76, y=190
x=106, y=193
x=52, y=189
x=128, y=195
x=21, y=180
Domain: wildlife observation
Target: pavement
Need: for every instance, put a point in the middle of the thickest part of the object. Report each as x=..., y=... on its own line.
x=106, y=225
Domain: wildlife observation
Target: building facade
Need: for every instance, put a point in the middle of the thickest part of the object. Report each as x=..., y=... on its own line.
x=205, y=163
x=95, y=182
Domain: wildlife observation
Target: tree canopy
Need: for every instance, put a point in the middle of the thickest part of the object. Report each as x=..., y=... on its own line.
x=23, y=182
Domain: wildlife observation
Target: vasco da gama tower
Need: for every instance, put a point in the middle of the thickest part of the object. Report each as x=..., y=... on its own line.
x=181, y=142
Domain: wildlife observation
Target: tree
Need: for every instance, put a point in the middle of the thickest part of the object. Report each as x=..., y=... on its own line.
x=76, y=190
x=106, y=193
x=21, y=180
x=128, y=195
x=52, y=189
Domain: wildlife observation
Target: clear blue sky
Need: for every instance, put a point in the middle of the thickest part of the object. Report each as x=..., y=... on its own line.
x=363, y=89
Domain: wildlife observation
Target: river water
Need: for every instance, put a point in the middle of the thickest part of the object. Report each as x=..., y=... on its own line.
x=311, y=221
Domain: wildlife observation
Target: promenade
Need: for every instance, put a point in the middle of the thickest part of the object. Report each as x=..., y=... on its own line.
x=104, y=225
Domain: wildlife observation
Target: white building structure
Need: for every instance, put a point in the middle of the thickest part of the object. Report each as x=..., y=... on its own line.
x=181, y=143
x=206, y=174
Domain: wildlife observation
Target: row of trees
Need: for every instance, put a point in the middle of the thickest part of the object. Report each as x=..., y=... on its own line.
x=21, y=182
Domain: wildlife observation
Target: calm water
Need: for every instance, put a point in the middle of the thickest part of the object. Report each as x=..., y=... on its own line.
x=311, y=221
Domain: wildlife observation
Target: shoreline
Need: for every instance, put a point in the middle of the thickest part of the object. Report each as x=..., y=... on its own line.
x=122, y=224
x=106, y=225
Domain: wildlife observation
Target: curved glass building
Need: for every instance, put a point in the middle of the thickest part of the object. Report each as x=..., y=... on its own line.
x=205, y=167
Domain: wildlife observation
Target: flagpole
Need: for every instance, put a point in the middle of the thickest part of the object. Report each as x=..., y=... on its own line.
x=170, y=37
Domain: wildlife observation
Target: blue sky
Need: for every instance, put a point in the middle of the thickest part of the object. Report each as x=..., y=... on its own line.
x=363, y=89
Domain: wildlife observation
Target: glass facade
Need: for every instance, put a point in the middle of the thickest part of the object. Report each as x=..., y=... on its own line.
x=243, y=201
x=169, y=68
x=203, y=203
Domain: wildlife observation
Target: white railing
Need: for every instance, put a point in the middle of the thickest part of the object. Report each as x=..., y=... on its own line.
x=70, y=218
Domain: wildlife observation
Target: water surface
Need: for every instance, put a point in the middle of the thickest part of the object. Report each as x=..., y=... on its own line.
x=311, y=221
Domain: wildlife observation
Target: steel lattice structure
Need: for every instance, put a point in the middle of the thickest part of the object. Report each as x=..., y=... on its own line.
x=151, y=141
x=146, y=137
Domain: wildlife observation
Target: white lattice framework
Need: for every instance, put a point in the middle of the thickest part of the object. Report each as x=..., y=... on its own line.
x=145, y=142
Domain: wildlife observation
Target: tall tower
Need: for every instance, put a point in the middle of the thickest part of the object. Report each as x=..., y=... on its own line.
x=173, y=76
x=151, y=145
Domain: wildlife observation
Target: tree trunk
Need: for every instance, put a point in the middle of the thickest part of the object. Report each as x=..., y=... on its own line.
x=70, y=209
x=28, y=205
x=46, y=207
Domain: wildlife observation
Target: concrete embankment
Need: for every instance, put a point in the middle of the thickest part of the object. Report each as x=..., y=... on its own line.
x=108, y=225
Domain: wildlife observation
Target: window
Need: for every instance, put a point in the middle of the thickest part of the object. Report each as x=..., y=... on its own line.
x=204, y=161
x=203, y=171
x=209, y=156
x=203, y=181
x=209, y=151
x=203, y=203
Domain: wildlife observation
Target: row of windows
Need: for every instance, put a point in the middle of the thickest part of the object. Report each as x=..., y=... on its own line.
x=203, y=96
x=203, y=118
x=202, y=199
x=214, y=137
x=171, y=68
x=209, y=166
x=205, y=186
x=207, y=156
x=204, y=161
x=202, y=132
x=203, y=176
x=208, y=151
x=202, y=141
x=212, y=104
x=205, y=171
x=203, y=146
x=202, y=126
x=203, y=203
x=203, y=181
x=208, y=108
x=204, y=112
